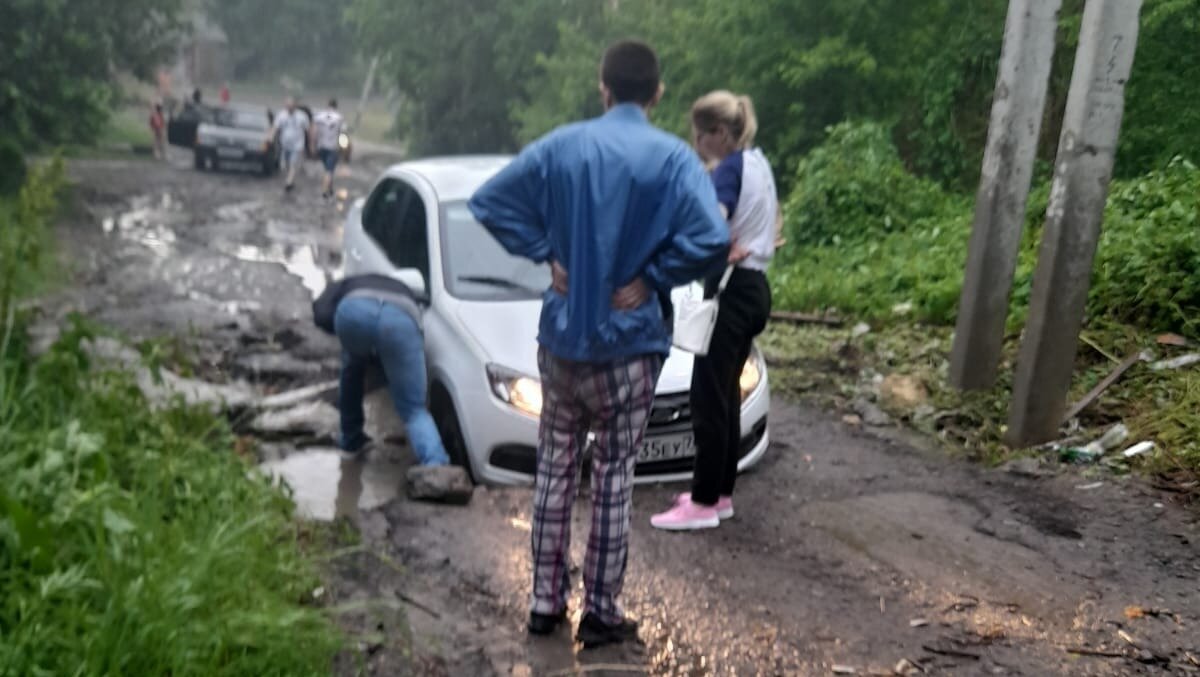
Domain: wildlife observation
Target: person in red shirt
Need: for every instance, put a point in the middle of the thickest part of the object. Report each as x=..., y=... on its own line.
x=225, y=93
x=158, y=127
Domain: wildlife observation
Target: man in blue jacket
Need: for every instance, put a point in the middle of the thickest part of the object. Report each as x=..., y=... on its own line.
x=628, y=212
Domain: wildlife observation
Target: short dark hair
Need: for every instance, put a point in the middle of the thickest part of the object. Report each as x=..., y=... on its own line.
x=630, y=71
x=333, y=103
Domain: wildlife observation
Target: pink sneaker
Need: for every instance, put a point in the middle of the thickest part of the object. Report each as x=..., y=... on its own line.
x=724, y=504
x=725, y=507
x=686, y=516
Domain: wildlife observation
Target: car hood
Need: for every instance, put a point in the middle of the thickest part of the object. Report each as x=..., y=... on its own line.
x=506, y=331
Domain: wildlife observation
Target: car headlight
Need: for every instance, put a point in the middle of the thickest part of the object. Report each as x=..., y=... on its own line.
x=751, y=375
x=343, y=140
x=520, y=392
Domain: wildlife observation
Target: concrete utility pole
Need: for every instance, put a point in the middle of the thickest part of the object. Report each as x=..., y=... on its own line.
x=1082, y=172
x=1017, y=109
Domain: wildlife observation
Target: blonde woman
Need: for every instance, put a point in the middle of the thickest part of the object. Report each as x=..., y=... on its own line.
x=723, y=129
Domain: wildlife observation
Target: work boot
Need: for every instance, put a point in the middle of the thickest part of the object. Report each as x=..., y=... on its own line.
x=595, y=633
x=439, y=484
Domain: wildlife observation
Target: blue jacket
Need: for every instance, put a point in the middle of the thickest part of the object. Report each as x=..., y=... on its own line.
x=610, y=199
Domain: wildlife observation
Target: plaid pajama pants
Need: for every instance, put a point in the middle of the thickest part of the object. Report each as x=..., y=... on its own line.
x=612, y=402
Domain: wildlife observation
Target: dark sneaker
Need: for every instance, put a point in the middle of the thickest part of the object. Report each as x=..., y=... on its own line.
x=359, y=453
x=595, y=633
x=288, y=188
x=544, y=624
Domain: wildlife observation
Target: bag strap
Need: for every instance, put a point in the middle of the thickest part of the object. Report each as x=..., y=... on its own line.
x=724, y=280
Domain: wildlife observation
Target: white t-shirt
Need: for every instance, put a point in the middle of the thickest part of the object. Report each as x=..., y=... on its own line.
x=746, y=188
x=293, y=127
x=328, y=125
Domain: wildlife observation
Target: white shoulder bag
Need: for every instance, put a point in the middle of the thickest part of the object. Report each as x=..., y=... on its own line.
x=695, y=320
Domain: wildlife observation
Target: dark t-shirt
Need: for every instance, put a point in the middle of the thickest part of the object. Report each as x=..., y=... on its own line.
x=727, y=178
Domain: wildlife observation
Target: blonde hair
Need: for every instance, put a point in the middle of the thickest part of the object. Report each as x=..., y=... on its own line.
x=723, y=107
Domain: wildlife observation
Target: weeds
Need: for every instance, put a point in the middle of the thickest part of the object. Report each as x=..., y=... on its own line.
x=132, y=541
x=136, y=542
x=828, y=366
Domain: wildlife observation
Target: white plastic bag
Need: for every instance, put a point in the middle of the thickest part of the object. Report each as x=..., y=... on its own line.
x=695, y=320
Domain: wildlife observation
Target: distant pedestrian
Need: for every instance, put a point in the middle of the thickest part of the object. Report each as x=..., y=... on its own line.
x=225, y=94
x=723, y=129
x=624, y=212
x=291, y=131
x=376, y=318
x=328, y=125
x=197, y=96
x=158, y=128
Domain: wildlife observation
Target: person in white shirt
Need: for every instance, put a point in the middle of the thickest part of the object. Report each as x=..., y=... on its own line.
x=291, y=128
x=723, y=129
x=328, y=124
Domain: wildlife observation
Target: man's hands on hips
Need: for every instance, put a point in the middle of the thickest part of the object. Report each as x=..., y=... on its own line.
x=631, y=296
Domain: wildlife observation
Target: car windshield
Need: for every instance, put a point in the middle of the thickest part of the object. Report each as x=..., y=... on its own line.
x=477, y=268
x=242, y=119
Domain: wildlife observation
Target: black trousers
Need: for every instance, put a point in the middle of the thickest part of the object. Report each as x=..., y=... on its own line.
x=716, y=399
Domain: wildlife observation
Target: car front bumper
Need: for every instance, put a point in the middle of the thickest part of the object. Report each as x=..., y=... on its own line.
x=503, y=442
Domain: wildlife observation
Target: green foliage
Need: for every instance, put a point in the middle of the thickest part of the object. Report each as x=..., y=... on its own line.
x=306, y=39
x=866, y=236
x=12, y=167
x=460, y=65
x=1149, y=253
x=135, y=541
x=854, y=187
x=58, y=60
x=24, y=231
x=1161, y=118
x=808, y=65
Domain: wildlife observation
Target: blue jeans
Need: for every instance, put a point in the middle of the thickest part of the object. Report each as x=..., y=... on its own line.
x=370, y=329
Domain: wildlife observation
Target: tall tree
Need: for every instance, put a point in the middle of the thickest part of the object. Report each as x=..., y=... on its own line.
x=308, y=39
x=59, y=59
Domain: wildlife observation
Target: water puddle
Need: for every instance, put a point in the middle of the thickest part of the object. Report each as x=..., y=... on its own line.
x=147, y=222
x=326, y=486
x=299, y=260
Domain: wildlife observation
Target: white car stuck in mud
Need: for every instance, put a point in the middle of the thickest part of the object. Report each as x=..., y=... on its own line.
x=481, y=316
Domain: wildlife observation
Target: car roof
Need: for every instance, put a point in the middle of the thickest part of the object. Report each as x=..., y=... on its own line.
x=453, y=177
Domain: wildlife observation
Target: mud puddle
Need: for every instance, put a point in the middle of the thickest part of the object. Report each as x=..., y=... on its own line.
x=325, y=484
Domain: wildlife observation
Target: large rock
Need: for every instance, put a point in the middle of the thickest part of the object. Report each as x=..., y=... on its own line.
x=870, y=414
x=903, y=393
x=439, y=483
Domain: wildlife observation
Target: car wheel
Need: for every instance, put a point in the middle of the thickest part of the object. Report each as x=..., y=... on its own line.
x=448, y=427
x=266, y=168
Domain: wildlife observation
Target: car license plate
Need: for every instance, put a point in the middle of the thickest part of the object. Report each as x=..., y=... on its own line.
x=230, y=152
x=667, y=448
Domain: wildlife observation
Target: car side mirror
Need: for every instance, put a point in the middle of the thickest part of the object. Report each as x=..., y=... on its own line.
x=414, y=280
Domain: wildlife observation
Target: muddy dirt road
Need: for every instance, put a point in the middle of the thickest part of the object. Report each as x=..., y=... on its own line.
x=862, y=551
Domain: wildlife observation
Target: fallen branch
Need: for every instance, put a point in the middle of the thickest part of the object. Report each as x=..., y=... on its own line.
x=806, y=318
x=1080, y=651
x=299, y=396
x=412, y=602
x=1096, y=392
x=599, y=667
x=953, y=653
